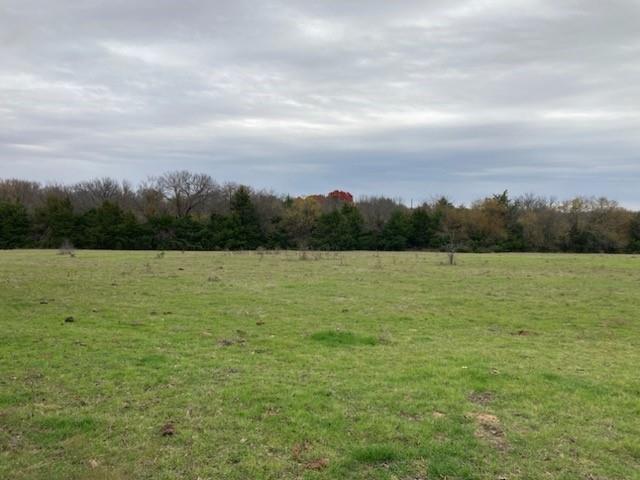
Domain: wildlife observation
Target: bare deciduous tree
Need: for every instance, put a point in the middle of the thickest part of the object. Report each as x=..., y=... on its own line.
x=93, y=193
x=186, y=191
x=452, y=230
x=21, y=191
x=150, y=200
x=376, y=211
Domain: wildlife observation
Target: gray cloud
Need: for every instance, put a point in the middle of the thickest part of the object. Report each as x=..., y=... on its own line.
x=407, y=98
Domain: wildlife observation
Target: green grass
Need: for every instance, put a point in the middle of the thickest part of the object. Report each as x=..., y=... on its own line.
x=339, y=338
x=341, y=366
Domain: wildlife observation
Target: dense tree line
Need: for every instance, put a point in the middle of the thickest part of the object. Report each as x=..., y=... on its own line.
x=182, y=210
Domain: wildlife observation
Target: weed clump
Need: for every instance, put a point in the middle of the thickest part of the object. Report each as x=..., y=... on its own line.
x=67, y=248
x=168, y=430
x=227, y=342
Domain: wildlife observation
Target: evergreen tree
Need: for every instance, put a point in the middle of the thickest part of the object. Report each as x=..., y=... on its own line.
x=244, y=230
x=217, y=232
x=109, y=227
x=168, y=232
x=634, y=234
x=55, y=222
x=396, y=232
x=162, y=229
x=326, y=235
x=351, y=227
x=424, y=226
x=14, y=226
x=339, y=229
x=581, y=240
x=189, y=233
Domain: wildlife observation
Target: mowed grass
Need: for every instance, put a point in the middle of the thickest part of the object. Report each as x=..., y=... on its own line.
x=346, y=366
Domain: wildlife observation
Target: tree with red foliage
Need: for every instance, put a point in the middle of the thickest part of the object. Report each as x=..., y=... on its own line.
x=342, y=196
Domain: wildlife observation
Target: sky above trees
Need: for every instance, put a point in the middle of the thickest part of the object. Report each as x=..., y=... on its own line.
x=410, y=99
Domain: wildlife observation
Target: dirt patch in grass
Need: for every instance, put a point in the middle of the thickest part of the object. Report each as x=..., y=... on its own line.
x=299, y=449
x=337, y=338
x=414, y=417
x=222, y=376
x=489, y=429
x=300, y=453
x=481, y=398
x=168, y=429
x=227, y=342
x=615, y=322
x=270, y=412
x=317, y=464
x=524, y=333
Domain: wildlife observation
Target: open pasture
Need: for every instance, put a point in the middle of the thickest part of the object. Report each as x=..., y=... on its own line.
x=263, y=365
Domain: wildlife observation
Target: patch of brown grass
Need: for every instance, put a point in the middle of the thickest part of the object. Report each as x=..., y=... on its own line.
x=489, y=429
x=481, y=398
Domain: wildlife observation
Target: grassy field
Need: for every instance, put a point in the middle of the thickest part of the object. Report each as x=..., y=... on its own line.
x=352, y=365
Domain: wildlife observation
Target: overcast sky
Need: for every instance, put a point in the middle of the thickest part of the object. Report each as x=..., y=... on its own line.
x=405, y=98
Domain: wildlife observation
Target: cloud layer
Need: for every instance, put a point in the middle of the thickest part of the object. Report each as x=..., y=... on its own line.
x=406, y=98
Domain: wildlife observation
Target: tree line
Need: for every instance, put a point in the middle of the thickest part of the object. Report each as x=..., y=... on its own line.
x=188, y=211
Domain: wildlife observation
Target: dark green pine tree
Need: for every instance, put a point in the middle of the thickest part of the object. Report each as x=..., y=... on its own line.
x=326, y=235
x=55, y=222
x=109, y=227
x=339, y=229
x=352, y=225
x=634, y=237
x=424, y=227
x=396, y=232
x=244, y=229
x=15, y=226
